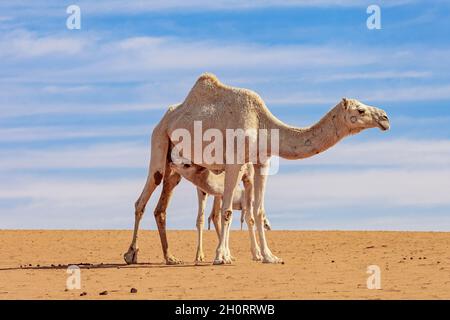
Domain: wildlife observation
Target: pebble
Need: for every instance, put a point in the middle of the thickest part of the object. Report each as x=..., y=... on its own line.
x=103, y=293
x=133, y=290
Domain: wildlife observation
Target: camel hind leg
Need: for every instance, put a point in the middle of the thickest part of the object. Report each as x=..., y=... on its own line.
x=171, y=180
x=233, y=175
x=159, y=149
x=202, y=197
x=247, y=213
x=260, y=186
x=215, y=215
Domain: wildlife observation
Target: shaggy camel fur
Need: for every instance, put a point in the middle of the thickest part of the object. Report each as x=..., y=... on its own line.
x=211, y=183
x=222, y=107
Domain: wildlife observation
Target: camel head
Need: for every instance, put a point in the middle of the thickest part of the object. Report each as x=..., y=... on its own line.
x=189, y=171
x=357, y=116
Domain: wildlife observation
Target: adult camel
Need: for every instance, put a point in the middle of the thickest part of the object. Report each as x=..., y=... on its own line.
x=220, y=107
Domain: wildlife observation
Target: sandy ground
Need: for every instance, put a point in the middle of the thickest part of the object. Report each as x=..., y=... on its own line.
x=317, y=265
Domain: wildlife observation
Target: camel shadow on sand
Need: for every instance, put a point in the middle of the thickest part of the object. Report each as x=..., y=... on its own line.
x=109, y=266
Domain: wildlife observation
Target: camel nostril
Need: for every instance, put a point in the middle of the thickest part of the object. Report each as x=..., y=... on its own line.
x=384, y=117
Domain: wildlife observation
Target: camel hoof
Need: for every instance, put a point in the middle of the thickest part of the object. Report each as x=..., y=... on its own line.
x=200, y=258
x=257, y=256
x=171, y=260
x=228, y=259
x=222, y=259
x=218, y=261
x=131, y=256
x=272, y=259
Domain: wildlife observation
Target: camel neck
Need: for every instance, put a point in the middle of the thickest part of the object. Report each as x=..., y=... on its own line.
x=299, y=143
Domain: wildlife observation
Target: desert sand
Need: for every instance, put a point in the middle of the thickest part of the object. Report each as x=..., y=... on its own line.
x=318, y=265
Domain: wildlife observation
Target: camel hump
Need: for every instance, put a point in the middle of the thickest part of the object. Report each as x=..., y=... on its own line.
x=208, y=81
x=204, y=90
x=208, y=78
x=208, y=90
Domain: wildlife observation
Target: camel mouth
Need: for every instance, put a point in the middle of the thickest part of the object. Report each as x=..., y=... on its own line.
x=384, y=125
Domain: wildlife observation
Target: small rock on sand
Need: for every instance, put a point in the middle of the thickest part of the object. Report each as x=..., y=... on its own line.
x=133, y=290
x=103, y=293
x=83, y=294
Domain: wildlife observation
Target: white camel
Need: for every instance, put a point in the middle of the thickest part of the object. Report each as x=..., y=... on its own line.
x=222, y=107
x=210, y=183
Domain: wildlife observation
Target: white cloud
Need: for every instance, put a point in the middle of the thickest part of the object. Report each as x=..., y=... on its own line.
x=164, y=76
x=86, y=203
x=97, y=203
x=164, y=53
x=53, y=89
x=405, y=93
x=118, y=155
x=17, y=110
x=377, y=75
x=406, y=154
x=49, y=133
x=372, y=188
x=52, y=7
x=403, y=153
x=24, y=44
x=418, y=176
x=5, y=19
x=203, y=5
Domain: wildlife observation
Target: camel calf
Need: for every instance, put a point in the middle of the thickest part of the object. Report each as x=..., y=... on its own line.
x=208, y=182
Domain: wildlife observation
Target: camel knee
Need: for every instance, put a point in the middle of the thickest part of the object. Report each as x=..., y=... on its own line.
x=139, y=209
x=227, y=215
x=160, y=217
x=259, y=216
x=157, y=176
x=215, y=216
x=249, y=220
x=264, y=219
x=200, y=222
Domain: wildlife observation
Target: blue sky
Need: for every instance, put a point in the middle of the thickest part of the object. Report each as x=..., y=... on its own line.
x=77, y=106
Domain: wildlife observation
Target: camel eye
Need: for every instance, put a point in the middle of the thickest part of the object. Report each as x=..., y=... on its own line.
x=361, y=111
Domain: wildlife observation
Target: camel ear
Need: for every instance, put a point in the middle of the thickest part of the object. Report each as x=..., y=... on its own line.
x=345, y=103
x=201, y=169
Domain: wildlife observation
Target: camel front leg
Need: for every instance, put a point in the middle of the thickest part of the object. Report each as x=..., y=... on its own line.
x=155, y=174
x=233, y=175
x=171, y=180
x=249, y=219
x=202, y=196
x=260, y=187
